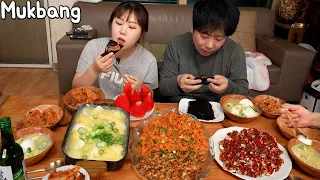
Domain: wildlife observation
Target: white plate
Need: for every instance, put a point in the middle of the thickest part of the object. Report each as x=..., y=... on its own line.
x=63, y=168
x=145, y=116
x=216, y=107
x=283, y=173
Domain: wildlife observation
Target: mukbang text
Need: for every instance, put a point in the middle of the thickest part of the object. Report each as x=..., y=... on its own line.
x=38, y=12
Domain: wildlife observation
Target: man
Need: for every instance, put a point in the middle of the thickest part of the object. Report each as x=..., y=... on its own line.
x=208, y=51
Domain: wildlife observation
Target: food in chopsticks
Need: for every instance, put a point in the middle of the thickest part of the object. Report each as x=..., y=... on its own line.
x=172, y=146
x=112, y=46
x=83, y=95
x=251, y=153
x=70, y=174
x=46, y=117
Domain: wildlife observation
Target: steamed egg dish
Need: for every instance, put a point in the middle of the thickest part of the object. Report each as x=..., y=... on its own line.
x=243, y=108
x=34, y=144
x=98, y=134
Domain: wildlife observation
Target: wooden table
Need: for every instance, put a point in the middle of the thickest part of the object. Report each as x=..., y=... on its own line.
x=16, y=106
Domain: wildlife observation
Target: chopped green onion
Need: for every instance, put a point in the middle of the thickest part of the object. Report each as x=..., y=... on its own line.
x=82, y=130
x=253, y=109
x=229, y=105
x=43, y=145
x=20, y=140
x=95, y=117
x=84, y=157
x=162, y=129
x=100, y=144
x=115, y=130
x=113, y=124
x=154, y=141
x=101, y=151
x=29, y=150
x=83, y=137
x=175, y=133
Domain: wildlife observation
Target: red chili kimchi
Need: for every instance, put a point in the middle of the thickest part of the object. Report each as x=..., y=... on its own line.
x=251, y=153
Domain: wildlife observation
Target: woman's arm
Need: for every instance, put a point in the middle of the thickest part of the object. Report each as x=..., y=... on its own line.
x=86, y=79
x=90, y=65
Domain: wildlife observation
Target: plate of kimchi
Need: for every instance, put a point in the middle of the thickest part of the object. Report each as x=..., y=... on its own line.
x=46, y=115
x=71, y=172
x=76, y=97
x=249, y=154
x=269, y=105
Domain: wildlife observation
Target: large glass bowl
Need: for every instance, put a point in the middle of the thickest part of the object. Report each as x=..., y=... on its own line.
x=134, y=143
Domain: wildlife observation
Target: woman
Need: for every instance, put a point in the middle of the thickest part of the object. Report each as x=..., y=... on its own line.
x=132, y=64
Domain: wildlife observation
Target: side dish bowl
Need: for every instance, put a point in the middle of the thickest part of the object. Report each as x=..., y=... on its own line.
x=57, y=109
x=76, y=97
x=34, y=130
x=265, y=102
x=305, y=167
x=237, y=98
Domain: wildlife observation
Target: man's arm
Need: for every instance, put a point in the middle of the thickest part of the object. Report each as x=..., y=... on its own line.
x=237, y=80
x=168, y=75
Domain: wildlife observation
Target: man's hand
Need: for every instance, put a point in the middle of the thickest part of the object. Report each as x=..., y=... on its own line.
x=103, y=64
x=219, y=84
x=187, y=82
x=133, y=80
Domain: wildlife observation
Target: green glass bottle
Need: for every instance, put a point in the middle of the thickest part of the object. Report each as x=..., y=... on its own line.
x=12, y=165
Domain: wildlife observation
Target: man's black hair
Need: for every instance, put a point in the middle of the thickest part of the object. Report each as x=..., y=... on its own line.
x=211, y=15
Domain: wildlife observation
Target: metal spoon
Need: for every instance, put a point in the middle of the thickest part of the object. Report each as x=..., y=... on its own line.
x=52, y=166
x=302, y=137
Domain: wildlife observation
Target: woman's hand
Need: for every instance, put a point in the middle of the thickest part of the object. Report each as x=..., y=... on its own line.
x=103, y=64
x=133, y=80
x=301, y=116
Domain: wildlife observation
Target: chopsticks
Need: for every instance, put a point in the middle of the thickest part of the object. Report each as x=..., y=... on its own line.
x=290, y=118
x=3, y=99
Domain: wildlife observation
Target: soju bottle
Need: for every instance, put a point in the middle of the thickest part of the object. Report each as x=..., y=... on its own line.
x=12, y=165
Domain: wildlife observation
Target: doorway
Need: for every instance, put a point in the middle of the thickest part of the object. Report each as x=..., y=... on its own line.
x=25, y=43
